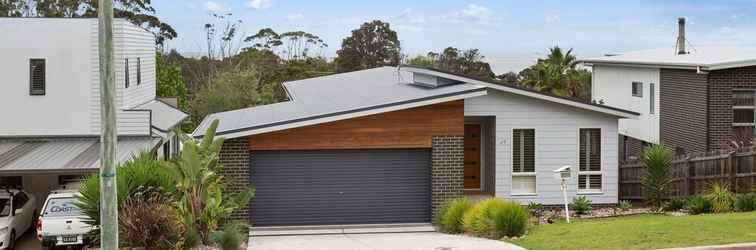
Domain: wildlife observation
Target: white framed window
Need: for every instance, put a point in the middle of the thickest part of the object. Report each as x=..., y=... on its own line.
x=638, y=89
x=743, y=110
x=589, y=171
x=523, y=162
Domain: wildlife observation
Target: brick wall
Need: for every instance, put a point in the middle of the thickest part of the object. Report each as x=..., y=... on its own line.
x=447, y=169
x=683, y=110
x=234, y=157
x=721, y=84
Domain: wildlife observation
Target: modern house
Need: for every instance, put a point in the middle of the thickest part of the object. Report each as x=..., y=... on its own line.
x=692, y=100
x=391, y=144
x=50, y=105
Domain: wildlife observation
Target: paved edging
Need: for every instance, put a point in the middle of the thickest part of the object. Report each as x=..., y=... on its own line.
x=737, y=246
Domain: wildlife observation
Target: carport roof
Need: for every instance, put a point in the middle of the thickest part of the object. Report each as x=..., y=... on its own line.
x=68, y=155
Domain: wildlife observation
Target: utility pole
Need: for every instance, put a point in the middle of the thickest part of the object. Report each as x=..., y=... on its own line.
x=109, y=135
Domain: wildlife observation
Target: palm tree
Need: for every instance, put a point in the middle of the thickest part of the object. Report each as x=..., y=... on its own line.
x=557, y=74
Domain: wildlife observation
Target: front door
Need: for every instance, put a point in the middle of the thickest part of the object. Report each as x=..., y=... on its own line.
x=472, y=156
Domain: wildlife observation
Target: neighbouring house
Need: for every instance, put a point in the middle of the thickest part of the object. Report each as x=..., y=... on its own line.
x=50, y=105
x=692, y=100
x=391, y=144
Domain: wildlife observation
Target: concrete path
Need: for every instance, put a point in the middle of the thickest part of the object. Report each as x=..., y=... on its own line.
x=378, y=241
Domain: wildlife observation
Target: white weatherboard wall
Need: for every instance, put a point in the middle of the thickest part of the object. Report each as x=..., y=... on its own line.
x=130, y=42
x=65, y=46
x=71, y=104
x=613, y=85
x=556, y=143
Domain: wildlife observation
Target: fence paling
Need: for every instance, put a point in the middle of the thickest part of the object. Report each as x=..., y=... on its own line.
x=691, y=174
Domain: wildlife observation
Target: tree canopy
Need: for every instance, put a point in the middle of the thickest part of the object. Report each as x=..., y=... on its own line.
x=373, y=45
x=291, y=45
x=464, y=62
x=170, y=82
x=557, y=74
x=138, y=12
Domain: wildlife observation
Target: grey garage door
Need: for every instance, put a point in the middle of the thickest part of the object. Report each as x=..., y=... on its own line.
x=324, y=187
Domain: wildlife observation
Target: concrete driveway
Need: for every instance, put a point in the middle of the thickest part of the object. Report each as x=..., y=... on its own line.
x=380, y=241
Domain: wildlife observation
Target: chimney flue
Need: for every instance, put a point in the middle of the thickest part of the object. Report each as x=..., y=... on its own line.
x=681, y=36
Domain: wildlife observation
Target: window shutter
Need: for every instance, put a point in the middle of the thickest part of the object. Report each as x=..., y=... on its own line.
x=523, y=150
x=37, y=77
x=590, y=149
x=126, y=72
x=139, y=70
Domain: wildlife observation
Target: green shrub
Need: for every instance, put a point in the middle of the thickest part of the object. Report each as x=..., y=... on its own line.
x=494, y=218
x=698, y=205
x=581, y=205
x=720, y=197
x=145, y=220
x=745, y=202
x=477, y=220
x=230, y=238
x=141, y=173
x=656, y=181
x=624, y=205
x=536, y=209
x=510, y=220
x=449, y=218
x=674, y=205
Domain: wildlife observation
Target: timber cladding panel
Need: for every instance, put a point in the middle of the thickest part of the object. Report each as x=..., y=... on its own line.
x=409, y=128
x=683, y=109
x=721, y=84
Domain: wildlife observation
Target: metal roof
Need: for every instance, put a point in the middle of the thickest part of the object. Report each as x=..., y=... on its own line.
x=365, y=92
x=707, y=58
x=334, y=95
x=163, y=116
x=36, y=155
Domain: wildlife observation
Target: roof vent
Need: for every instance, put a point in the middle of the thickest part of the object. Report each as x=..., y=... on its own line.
x=431, y=81
x=681, y=36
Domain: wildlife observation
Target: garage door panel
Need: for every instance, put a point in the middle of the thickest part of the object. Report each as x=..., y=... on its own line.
x=340, y=187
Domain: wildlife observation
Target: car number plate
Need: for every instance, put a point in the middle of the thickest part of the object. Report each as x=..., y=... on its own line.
x=70, y=238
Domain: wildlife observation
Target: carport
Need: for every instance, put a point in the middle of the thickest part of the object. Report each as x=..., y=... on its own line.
x=40, y=165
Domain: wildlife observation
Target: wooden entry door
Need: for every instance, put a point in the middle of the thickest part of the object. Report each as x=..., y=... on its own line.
x=472, y=156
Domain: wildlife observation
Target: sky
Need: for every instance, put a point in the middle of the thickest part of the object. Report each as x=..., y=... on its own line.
x=510, y=34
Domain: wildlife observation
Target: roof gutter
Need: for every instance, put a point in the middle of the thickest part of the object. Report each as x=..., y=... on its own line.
x=646, y=65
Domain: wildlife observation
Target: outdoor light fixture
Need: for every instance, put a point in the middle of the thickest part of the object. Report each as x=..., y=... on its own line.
x=564, y=174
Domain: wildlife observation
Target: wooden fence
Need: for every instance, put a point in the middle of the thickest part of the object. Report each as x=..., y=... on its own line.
x=691, y=174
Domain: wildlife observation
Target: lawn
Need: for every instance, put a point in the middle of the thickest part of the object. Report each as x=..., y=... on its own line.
x=643, y=232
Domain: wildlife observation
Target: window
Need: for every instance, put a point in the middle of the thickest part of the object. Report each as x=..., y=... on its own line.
x=126, y=72
x=61, y=207
x=36, y=76
x=652, y=99
x=19, y=200
x=589, y=173
x=167, y=150
x=523, y=161
x=139, y=70
x=743, y=118
x=638, y=89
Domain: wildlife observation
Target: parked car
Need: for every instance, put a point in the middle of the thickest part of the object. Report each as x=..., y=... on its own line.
x=61, y=222
x=17, y=214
